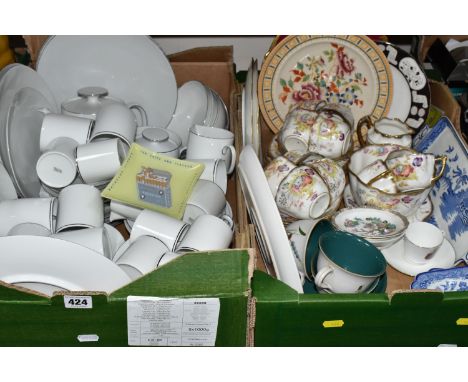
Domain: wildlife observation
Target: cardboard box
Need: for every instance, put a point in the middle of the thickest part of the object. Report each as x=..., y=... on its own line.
x=399, y=317
x=31, y=319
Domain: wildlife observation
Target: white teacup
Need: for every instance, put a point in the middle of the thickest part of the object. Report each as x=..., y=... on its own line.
x=41, y=211
x=79, y=206
x=115, y=121
x=422, y=240
x=95, y=239
x=56, y=167
x=165, y=228
x=121, y=210
x=212, y=143
x=206, y=198
x=142, y=256
x=303, y=194
x=99, y=161
x=206, y=233
x=215, y=171
x=29, y=229
x=168, y=257
x=64, y=126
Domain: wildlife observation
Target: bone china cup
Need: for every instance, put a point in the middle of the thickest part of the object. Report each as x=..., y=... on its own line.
x=212, y=143
x=422, y=240
x=347, y=263
x=303, y=194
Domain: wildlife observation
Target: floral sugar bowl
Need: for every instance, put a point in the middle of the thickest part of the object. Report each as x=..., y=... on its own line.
x=317, y=127
x=304, y=190
x=405, y=202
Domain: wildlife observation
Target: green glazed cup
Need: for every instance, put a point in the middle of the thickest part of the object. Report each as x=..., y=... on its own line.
x=347, y=263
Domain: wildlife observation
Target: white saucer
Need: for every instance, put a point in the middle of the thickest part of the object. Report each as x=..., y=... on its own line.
x=422, y=213
x=444, y=257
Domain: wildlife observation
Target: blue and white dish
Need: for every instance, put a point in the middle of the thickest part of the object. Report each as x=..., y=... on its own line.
x=450, y=193
x=447, y=280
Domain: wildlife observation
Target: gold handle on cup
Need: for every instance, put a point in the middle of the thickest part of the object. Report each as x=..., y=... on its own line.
x=443, y=160
x=363, y=121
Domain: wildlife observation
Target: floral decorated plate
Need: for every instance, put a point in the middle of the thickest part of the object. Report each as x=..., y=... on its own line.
x=370, y=222
x=447, y=280
x=348, y=70
x=411, y=92
x=422, y=213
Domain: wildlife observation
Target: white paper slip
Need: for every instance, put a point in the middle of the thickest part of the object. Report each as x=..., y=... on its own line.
x=156, y=321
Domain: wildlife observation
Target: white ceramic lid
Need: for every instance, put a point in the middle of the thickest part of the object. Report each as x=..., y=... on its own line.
x=159, y=140
x=89, y=101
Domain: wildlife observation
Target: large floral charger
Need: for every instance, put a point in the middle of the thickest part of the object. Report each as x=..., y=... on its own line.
x=348, y=70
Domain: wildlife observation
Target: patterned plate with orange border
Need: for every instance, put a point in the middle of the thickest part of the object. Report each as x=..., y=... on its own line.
x=349, y=70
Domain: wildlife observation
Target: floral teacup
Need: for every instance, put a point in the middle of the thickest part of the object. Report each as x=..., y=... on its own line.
x=385, y=131
x=295, y=134
x=412, y=170
x=276, y=171
x=370, y=172
x=303, y=194
x=330, y=135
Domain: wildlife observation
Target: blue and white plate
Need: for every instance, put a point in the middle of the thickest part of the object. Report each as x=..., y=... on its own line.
x=450, y=193
x=447, y=280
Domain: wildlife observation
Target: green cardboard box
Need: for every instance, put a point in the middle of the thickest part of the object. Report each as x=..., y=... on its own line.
x=407, y=318
x=28, y=319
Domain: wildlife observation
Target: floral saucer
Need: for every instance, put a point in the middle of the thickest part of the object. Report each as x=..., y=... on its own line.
x=347, y=70
x=447, y=280
x=444, y=257
x=423, y=212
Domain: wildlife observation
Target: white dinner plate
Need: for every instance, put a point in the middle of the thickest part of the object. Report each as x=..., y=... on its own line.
x=269, y=225
x=256, y=136
x=22, y=93
x=444, y=257
x=7, y=188
x=132, y=68
x=46, y=265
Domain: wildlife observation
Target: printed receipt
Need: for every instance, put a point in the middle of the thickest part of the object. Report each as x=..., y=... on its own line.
x=156, y=321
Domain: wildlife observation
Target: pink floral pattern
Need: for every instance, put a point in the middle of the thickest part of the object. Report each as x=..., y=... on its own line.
x=331, y=77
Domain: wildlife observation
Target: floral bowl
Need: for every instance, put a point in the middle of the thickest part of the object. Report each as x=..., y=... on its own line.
x=380, y=227
x=405, y=202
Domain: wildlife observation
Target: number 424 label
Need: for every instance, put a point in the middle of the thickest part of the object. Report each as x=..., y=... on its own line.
x=78, y=302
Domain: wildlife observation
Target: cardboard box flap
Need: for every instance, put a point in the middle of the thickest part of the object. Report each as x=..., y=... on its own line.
x=205, y=54
x=415, y=297
x=218, y=274
x=267, y=288
x=16, y=294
